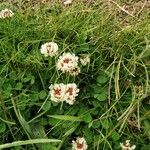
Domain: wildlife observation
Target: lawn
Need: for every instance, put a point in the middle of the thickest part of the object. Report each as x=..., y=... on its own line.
x=75, y=76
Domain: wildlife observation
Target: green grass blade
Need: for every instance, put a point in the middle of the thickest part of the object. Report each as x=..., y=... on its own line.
x=34, y=141
x=8, y=122
x=65, y=117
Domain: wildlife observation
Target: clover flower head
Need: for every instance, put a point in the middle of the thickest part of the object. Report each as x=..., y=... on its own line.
x=67, y=2
x=79, y=144
x=67, y=62
x=127, y=145
x=57, y=92
x=6, y=13
x=85, y=59
x=71, y=93
x=61, y=92
x=49, y=49
x=75, y=71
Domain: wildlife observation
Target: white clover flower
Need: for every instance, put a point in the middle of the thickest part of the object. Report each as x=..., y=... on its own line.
x=71, y=93
x=127, y=145
x=61, y=92
x=6, y=13
x=49, y=49
x=67, y=2
x=75, y=71
x=57, y=92
x=67, y=62
x=85, y=59
x=79, y=144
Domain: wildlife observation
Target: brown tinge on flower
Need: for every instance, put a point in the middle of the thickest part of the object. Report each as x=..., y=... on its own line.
x=6, y=13
x=57, y=92
x=49, y=49
x=75, y=71
x=68, y=63
x=61, y=92
x=65, y=61
x=71, y=93
x=79, y=144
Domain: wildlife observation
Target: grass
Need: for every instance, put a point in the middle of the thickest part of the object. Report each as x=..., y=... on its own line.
x=113, y=102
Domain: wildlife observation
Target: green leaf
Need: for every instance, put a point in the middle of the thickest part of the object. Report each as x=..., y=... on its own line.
x=105, y=124
x=82, y=38
x=14, y=75
x=47, y=106
x=48, y=146
x=96, y=103
x=69, y=132
x=27, y=78
x=73, y=111
x=7, y=87
x=38, y=131
x=34, y=97
x=65, y=117
x=84, y=47
x=24, y=124
x=7, y=94
x=96, y=124
x=19, y=86
x=96, y=89
x=52, y=121
x=82, y=110
x=87, y=118
x=147, y=128
x=42, y=94
x=88, y=135
x=32, y=80
x=94, y=112
x=101, y=97
x=115, y=136
x=102, y=78
x=2, y=127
